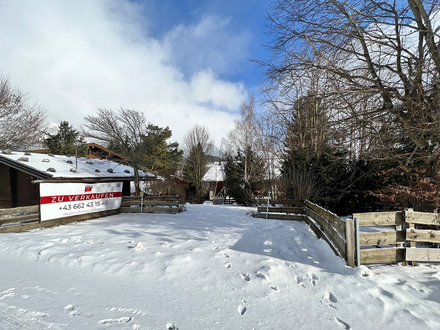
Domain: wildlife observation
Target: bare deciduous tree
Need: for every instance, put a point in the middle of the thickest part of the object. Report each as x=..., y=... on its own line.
x=197, y=146
x=122, y=130
x=22, y=123
x=381, y=64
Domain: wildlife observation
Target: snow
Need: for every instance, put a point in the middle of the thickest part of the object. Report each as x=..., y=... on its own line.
x=215, y=173
x=211, y=267
x=86, y=167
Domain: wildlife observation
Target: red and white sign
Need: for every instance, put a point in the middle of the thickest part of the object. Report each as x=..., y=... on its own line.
x=60, y=200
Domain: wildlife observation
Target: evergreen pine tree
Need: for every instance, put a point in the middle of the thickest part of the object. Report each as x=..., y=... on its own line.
x=65, y=140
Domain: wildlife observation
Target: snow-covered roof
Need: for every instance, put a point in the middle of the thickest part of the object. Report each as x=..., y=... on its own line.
x=216, y=173
x=46, y=166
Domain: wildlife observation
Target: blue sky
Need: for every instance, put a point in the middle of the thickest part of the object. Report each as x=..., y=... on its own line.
x=181, y=62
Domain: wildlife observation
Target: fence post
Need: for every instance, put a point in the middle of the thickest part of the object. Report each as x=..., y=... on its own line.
x=142, y=200
x=358, y=243
x=267, y=204
x=350, y=239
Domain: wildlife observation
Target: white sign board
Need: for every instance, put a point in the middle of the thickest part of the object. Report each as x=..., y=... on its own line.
x=60, y=200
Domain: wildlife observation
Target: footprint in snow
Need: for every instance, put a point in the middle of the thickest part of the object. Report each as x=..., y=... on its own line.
x=7, y=293
x=110, y=321
x=342, y=324
x=171, y=326
x=330, y=297
x=227, y=264
x=313, y=278
x=275, y=288
x=241, y=309
x=224, y=254
x=299, y=280
x=245, y=276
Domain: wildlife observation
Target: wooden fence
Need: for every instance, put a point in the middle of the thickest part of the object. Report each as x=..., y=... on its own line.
x=20, y=219
x=149, y=204
x=20, y=215
x=422, y=228
x=413, y=235
x=405, y=236
x=339, y=234
x=380, y=246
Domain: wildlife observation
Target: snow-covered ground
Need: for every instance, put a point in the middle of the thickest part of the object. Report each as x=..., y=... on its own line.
x=212, y=267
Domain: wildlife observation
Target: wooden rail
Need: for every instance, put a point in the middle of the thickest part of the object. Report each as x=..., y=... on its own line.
x=325, y=224
x=388, y=244
x=149, y=204
x=19, y=215
x=430, y=235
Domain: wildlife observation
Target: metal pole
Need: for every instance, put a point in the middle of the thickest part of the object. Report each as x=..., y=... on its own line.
x=358, y=243
x=267, y=205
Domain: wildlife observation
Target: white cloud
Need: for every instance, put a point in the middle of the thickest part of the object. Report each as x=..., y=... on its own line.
x=209, y=44
x=77, y=56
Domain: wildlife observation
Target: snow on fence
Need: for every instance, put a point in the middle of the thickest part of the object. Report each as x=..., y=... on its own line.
x=148, y=204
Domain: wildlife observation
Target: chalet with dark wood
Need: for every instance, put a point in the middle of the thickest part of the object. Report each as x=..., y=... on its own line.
x=21, y=173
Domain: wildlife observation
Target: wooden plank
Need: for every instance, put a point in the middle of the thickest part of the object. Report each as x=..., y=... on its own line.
x=336, y=238
x=146, y=203
x=149, y=209
x=295, y=210
x=379, y=218
x=18, y=210
x=333, y=219
x=56, y=222
x=22, y=218
x=350, y=243
x=161, y=203
x=374, y=256
x=419, y=235
x=293, y=217
x=412, y=226
x=150, y=198
x=384, y=237
x=422, y=255
x=287, y=202
x=423, y=218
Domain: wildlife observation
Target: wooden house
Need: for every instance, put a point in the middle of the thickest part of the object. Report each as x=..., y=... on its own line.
x=21, y=173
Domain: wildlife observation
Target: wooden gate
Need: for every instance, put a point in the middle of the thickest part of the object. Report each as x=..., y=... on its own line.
x=411, y=237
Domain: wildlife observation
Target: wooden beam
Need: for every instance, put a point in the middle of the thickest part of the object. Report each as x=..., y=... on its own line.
x=294, y=210
x=293, y=217
x=374, y=256
x=423, y=218
x=379, y=218
x=19, y=210
x=422, y=255
x=147, y=209
x=384, y=237
x=331, y=218
x=287, y=202
x=56, y=222
x=419, y=235
x=337, y=240
x=350, y=243
x=22, y=218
